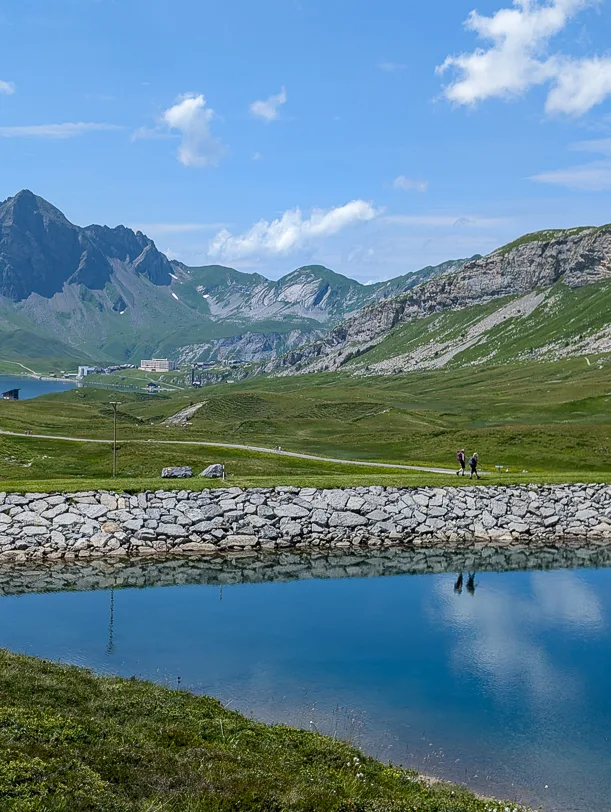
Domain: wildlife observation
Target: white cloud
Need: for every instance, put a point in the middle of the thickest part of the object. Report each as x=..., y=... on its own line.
x=290, y=232
x=519, y=59
x=580, y=85
x=257, y=156
x=7, y=88
x=590, y=177
x=410, y=185
x=191, y=117
x=67, y=130
x=269, y=110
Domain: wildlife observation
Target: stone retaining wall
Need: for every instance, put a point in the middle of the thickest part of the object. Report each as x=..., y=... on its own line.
x=82, y=525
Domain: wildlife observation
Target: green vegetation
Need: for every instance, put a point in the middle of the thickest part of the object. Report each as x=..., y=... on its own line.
x=549, y=419
x=564, y=319
x=73, y=741
x=22, y=351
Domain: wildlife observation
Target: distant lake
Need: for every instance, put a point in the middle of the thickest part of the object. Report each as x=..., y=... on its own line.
x=500, y=681
x=32, y=387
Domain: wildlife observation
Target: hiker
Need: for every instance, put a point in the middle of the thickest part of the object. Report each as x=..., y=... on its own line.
x=473, y=465
x=462, y=461
x=471, y=584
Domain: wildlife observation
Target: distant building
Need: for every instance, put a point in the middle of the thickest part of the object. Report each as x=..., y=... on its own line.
x=152, y=388
x=12, y=394
x=158, y=365
x=84, y=371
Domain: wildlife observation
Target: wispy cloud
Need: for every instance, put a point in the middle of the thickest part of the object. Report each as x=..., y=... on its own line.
x=291, y=231
x=151, y=134
x=410, y=184
x=594, y=176
x=519, y=59
x=162, y=229
x=7, y=88
x=192, y=119
x=57, y=131
x=391, y=67
x=269, y=109
x=444, y=220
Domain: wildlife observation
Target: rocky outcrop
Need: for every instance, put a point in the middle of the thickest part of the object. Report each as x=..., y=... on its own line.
x=249, y=347
x=41, y=251
x=574, y=258
x=92, y=524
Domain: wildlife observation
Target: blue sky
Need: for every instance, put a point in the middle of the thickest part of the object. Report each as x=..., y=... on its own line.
x=273, y=134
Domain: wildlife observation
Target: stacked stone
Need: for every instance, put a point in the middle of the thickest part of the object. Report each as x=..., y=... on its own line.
x=34, y=526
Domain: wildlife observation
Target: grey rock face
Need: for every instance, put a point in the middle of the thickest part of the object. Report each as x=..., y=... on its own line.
x=574, y=258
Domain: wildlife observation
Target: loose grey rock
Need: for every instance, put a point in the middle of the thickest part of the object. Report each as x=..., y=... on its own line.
x=183, y=472
x=214, y=471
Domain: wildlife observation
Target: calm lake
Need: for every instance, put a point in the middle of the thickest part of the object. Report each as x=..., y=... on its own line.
x=501, y=682
x=32, y=387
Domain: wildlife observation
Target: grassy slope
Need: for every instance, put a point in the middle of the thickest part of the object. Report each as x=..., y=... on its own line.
x=548, y=418
x=565, y=317
x=72, y=741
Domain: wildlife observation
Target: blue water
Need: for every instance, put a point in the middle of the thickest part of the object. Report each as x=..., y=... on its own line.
x=32, y=387
x=506, y=690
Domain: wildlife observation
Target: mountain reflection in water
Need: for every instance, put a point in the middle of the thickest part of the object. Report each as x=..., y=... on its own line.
x=497, y=677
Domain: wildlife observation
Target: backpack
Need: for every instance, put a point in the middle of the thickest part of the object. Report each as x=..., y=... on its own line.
x=460, y=457
x=473, y=462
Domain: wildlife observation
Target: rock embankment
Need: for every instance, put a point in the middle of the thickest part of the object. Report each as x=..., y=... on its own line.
x=81, y=525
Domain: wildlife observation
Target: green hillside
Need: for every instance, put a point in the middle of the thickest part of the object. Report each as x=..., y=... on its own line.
x=544, y=418
x=565, y=322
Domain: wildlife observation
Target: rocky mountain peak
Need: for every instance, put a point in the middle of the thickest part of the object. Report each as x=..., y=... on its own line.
x=41, y=251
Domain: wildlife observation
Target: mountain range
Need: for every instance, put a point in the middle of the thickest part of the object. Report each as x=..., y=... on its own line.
x=545, y=296
x=108, y=295
x=102, y=295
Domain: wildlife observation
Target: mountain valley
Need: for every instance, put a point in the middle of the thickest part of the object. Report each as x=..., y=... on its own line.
x=107, y=295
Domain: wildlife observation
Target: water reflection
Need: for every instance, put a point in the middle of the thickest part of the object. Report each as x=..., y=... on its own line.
x=255, y=567
x=455, y=663
x=503, y=636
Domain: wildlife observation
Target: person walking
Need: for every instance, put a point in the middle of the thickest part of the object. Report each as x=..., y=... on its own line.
x=462, y=461
x=473, y=461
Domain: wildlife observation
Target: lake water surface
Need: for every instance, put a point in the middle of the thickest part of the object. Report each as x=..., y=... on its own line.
x=505, y=686
x=32, y=387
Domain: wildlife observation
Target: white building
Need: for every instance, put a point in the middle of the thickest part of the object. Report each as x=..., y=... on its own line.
x=84, y=371
x=158, y=365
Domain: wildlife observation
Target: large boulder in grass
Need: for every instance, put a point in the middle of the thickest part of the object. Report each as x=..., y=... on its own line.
x=177, y=473
x=214, y=471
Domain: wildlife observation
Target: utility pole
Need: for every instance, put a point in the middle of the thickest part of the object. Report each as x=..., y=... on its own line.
x=114, y=404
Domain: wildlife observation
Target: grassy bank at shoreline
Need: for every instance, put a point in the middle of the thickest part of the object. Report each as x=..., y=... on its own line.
x=70, y=740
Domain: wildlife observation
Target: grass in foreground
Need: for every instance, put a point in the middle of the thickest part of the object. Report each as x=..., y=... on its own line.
x=72, y=741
